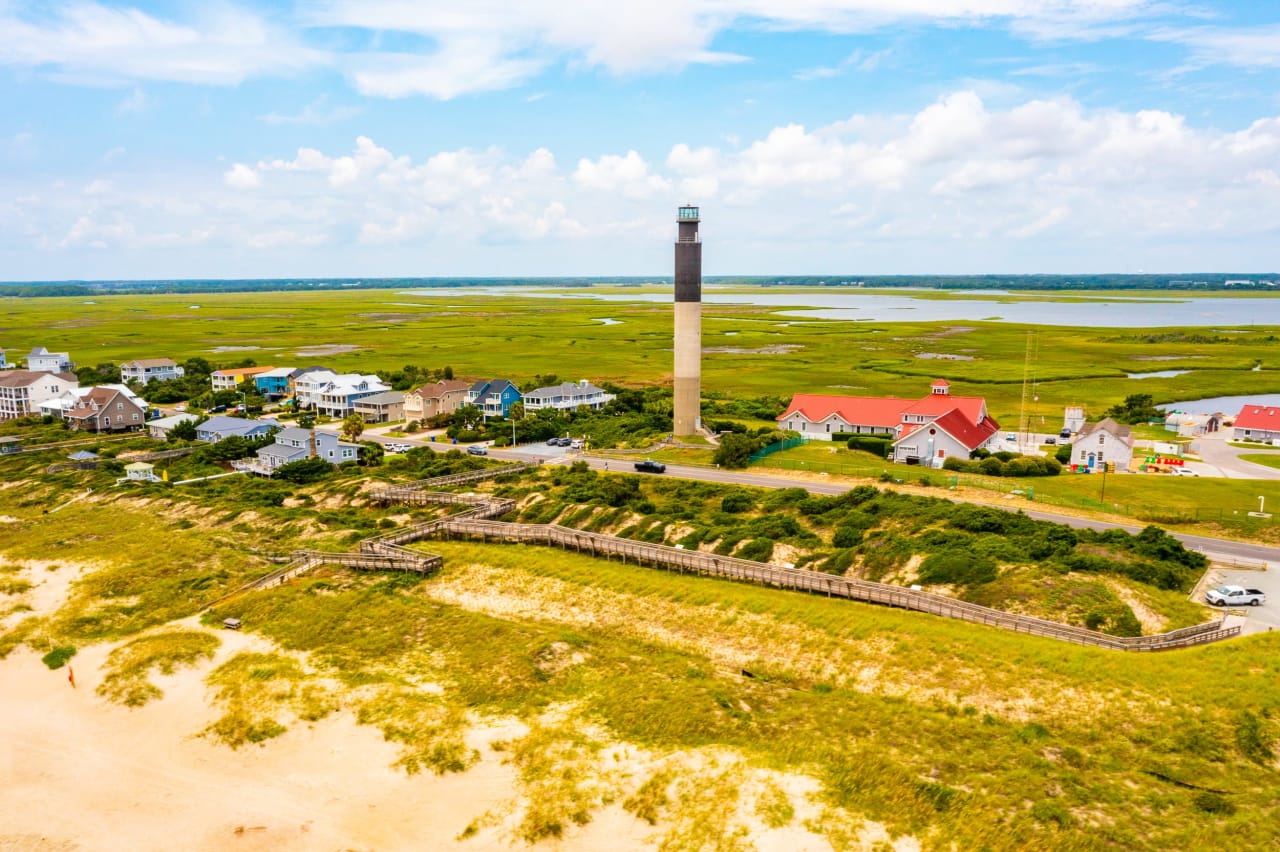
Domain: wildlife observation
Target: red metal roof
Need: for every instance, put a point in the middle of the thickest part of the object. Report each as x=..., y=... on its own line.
x=937, y=404
x=881, y=411
x=1259, y=417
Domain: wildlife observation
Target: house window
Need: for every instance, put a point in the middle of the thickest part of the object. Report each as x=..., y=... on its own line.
x=828, y=427
x=119, y=406
x=135, y=416
x=1099, y=456
x=1101, y=438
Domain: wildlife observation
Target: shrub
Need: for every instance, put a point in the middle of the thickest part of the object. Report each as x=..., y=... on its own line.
x=758, y=550
x=868, y=444
x=738, y=501
x=58, y=657
x=958, y=567
x=303, y=471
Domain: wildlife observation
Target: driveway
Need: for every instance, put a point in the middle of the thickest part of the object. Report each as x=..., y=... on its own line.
x=1224, y=458
x=1257, y=619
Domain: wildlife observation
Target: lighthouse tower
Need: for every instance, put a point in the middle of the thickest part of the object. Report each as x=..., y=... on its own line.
x=688, y=310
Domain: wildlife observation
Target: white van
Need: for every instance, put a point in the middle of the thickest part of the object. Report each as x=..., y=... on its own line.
x=575, y=444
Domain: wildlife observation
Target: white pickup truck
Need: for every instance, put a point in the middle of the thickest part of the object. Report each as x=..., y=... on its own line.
x=1235, y=596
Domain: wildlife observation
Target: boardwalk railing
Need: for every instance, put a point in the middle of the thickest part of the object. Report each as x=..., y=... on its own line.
x=744, y=570
x=387, y=552
x=417, y=492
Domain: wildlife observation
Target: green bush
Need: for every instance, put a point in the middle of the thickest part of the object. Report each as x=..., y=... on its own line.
x=957, y=567
x=757, y=550
x=58, y=657
x=866, y=443
x=738, y=501
x=303, y=471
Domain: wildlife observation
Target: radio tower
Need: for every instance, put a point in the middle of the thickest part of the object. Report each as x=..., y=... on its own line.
x=688, y=309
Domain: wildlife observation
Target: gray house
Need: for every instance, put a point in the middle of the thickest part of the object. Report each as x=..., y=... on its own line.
x=217, y=429
x=295, y=444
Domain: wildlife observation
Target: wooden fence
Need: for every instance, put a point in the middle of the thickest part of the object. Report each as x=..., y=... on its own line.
x=92, y=464
x=744, y=570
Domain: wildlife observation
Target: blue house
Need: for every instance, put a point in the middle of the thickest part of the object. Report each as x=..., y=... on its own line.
x=494, y=397
x=275, y=384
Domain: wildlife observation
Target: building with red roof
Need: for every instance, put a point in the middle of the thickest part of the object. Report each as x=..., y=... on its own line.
x=1258, y=423
x=926, y=430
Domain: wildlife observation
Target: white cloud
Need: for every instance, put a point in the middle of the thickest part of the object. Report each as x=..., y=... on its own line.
x=103, y=45
x=318, y=112
x=241, y=176
x=1004, y=187
x=628, y=175
x=483, y=45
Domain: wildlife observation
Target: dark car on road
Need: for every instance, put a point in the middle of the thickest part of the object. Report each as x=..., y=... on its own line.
x=651, y=466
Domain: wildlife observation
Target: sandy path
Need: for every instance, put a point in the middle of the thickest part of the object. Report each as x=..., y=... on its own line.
x=81, y=773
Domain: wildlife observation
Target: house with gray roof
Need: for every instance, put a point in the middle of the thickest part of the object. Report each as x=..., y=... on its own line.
x=295, y=444
x=1102, y=443
x=381, y=407
x=567, y=396
x=220, y=428
x=160, y=428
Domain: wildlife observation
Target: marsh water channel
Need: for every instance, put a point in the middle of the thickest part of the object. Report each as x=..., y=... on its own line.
x=1108, y=311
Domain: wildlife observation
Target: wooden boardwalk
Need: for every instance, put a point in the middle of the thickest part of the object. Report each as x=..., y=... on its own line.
x=814, y=582
x=387, y=552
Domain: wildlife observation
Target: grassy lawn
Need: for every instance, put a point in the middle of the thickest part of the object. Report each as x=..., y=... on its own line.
x=526, y=337
x=959, y=735
x=1210, y=505
x=1268, y=459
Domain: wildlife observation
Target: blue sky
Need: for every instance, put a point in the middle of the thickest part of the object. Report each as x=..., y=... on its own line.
x=431, y=137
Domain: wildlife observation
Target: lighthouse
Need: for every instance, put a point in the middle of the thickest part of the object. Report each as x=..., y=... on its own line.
x=688, y=315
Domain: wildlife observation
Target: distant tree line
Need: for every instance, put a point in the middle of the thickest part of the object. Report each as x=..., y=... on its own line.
x=1187, y=281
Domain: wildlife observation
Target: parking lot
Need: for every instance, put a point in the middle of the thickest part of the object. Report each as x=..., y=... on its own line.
x=1258, y=619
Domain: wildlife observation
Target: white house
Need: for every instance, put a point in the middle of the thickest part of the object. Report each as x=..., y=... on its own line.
x=160, y=428
x=146, y=370
x=308, y=386
x=338, y=396
x=44, y=361
x=959, y=424
x=567, y=396
x=1102, y=443
x=22, y=391
x=59, y=405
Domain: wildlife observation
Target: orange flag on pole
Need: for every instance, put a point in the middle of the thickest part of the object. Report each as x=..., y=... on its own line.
x=71, y=676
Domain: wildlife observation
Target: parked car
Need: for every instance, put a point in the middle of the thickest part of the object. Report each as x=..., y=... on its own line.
x=650, y=466
x=1065, y=434
x=1182, y=471
x=477, y=450
x=1051, y=440
x=396, y=448
x=1235, y=596
x=575, y=444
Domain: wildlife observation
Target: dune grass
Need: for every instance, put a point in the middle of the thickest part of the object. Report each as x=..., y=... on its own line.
x=964, y=734
x=130, y=665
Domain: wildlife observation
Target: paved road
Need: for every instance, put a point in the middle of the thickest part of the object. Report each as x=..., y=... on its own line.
x=1221, y=550
x=1225, y=459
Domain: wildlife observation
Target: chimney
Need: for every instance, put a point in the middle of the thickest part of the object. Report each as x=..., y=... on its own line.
x=311, y=444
